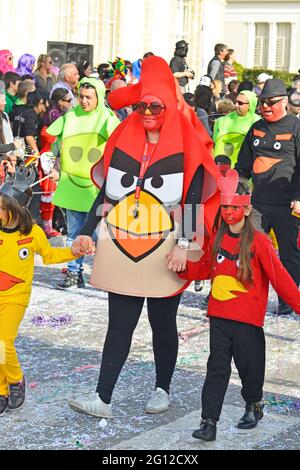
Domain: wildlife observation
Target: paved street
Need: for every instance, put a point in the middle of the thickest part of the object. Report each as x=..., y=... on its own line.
x=60, y=347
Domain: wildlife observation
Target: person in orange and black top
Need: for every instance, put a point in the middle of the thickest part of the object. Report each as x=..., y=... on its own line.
x=270, y=154
x=240, y=261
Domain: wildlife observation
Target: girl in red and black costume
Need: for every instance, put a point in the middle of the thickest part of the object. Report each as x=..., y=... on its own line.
x=154, y=164
x=240, y=262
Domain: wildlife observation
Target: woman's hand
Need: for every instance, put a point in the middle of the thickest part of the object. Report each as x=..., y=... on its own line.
x=82, y=245
x=176, y=260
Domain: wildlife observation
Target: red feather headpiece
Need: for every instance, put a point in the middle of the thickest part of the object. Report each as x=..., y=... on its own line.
x=228, y=186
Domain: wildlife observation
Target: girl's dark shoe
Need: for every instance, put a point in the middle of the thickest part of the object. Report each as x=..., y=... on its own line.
x=16, y=397
x=3, y=404
x=253, y=414
x=207, y=431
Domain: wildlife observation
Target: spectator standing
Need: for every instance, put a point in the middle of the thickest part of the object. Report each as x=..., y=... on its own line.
x=229, y=71
x=215, y=68
x=6, y=61
x=68, y=78
x=26, y=65
x=44, y=78
x=179, y=65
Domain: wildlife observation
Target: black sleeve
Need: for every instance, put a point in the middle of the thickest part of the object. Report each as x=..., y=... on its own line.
x=30, y=124
x=4, y=148
x=297, y=158
x=244, y=162
x=176, y=65
x=94, y=217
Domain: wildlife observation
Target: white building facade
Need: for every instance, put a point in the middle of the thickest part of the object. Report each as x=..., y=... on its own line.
x=264, y=33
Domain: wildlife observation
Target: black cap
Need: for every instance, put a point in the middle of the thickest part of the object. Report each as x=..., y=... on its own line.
x=181, y=44
x=273, y=87
x=294, y=97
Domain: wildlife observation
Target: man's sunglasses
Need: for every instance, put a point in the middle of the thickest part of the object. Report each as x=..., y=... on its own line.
x=269, y=101
x=154, y=108
x=241, y=103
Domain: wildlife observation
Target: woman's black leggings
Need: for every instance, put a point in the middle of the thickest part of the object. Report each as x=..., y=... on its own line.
x=124, y=314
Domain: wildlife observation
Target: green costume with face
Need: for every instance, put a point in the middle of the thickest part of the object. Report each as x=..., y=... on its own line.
x=81, y=138
x=230, y=130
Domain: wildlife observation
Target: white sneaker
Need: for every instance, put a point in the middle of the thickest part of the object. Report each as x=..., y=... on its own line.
x=159, y=401
x=95, y=407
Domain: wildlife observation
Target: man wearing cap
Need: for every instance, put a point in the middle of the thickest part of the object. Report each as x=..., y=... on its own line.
x=179, y=65
x=261, y=80
x=215, y=68
x=270, y=154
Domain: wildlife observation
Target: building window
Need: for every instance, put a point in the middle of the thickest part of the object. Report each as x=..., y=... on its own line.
x=261, y=51
x=183, y=18
x=112, y=12
x=283, y=46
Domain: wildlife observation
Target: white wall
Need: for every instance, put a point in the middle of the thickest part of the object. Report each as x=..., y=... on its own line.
x=212, y=29
x=239, y=14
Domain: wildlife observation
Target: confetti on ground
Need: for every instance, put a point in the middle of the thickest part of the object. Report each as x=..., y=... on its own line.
x=54, y=322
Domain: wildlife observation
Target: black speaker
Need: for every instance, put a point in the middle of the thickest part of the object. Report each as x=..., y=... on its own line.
x=67, y=52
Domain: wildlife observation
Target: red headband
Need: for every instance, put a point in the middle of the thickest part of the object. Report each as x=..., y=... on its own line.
x=228, y=186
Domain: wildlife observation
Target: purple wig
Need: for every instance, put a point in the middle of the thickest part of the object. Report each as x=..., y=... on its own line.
x=5, y=66
x=25, y=65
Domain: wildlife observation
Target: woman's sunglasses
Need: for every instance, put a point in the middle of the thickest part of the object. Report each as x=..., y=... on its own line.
x=67, y=101
x=154, y=108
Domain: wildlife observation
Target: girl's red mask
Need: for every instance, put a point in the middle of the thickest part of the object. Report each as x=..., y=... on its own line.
x=232, y=214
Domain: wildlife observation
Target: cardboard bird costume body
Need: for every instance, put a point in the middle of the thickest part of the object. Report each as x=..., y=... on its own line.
x=130, y=257
x=82, y=137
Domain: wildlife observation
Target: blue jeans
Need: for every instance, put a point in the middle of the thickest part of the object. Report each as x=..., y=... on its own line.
x=75, y=222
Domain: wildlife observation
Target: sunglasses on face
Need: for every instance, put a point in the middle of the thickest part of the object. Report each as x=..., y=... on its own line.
x=241, y=103
x=154, y=108
x=269, y=101
x=68, y=101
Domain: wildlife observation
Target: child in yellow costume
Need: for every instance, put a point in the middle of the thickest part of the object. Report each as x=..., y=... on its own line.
x=20, y=239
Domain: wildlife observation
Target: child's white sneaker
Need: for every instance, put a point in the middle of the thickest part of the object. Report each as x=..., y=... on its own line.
x=159, y=401
x=95, y=407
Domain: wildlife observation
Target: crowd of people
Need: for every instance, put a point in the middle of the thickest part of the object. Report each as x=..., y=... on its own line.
x=132, y=161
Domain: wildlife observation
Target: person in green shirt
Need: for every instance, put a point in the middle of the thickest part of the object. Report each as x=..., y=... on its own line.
x=81, y=134
x=12, y=81
x=230, y=130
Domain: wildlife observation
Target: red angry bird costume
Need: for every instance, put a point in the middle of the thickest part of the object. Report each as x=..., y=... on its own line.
x=179, y=171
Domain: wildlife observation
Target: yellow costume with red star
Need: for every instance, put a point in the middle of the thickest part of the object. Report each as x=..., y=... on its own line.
x=16, y=275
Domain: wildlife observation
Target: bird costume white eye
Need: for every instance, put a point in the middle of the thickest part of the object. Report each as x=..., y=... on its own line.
x=277, y=146
x=167, y=188
x=237, y=263
x=256, y=142
x=220, y=258
x=24, y=253
x=119, y=183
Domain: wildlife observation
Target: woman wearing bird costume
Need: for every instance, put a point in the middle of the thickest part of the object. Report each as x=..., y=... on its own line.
x=156, y=172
